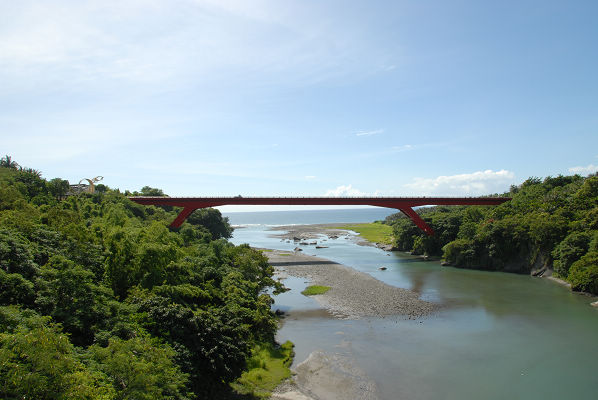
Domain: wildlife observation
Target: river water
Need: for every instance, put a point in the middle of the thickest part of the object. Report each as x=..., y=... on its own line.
x=498, y=335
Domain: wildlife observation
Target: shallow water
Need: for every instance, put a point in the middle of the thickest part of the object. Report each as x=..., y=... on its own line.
x=499, y=336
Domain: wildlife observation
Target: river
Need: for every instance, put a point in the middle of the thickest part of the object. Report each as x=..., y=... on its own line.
x=498, y=336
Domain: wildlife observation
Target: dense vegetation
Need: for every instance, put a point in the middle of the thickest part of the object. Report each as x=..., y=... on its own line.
x=548, y=224
x=99, y=299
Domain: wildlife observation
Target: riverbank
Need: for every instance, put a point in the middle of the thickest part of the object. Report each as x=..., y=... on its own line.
x=327, y=377
x=352, y=295
x=320, y=234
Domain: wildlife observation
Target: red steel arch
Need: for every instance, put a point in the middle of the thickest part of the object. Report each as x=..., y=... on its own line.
x=404, y=204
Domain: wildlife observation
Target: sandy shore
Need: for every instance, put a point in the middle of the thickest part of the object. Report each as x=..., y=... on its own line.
x=324, y=376
x=353, y=294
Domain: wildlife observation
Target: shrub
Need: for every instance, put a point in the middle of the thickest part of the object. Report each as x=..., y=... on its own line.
x=571, y=249
x=583, y=274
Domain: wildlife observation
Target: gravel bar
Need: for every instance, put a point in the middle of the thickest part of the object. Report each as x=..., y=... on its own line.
x=353, y=294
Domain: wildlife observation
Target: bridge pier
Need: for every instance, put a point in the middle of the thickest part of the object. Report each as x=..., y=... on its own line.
x=185, y=212
x=417, y=220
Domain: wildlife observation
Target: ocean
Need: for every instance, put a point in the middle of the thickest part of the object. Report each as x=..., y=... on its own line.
x=306, y=217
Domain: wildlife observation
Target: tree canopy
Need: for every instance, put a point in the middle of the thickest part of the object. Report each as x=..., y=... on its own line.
x=99, y=299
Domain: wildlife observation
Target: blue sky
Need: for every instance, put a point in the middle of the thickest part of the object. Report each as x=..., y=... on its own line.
x=218, y=97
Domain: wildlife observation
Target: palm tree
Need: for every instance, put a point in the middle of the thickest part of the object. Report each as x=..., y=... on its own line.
x=31, y=171
x=7, y=162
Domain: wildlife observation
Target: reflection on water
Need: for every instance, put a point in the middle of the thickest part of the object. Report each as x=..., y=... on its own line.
x=498, y=336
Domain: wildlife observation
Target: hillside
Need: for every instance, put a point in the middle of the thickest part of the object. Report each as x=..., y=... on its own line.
x=99, y=299
x=550, y=226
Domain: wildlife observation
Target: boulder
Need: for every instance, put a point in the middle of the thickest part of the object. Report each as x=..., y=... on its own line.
x=386, y=247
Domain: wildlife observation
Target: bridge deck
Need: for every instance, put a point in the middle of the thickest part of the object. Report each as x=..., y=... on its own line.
x=404, y=204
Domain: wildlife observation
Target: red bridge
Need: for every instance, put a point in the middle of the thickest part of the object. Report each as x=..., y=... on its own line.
x=404, y=204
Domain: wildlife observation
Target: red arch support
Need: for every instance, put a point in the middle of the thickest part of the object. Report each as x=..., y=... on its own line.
x=404, y=204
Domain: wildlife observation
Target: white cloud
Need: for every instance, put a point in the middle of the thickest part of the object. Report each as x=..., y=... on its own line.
x=405, y=147
x=588, y=169
x=473, y=184
x=153, y=42
x=310, y=177
x=369, y=133
x=344, y=190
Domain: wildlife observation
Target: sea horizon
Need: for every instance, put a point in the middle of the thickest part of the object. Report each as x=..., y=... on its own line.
x=308, y=217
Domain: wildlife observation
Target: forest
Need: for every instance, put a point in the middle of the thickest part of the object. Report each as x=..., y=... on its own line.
x=549, y=226
x=99, y=299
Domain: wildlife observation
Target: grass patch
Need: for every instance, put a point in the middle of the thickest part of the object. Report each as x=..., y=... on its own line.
x=375, y=232
x=285, y=254
x=267, y=367
x=315, y=289
x=267, y=250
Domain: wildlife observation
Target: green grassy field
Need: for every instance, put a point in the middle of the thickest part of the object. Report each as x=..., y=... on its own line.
x=375, y=232
x=316, y=289
x=268, y=367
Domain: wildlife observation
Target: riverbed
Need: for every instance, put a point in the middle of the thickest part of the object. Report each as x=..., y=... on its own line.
x=496, y=335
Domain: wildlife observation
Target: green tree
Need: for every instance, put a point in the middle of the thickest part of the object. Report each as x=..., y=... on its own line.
x=58, y=187
x=32, y=184
x=211, y=347
x=14, y=289
x=37, y=361
x=140, y=368
x=120, y=268
x=583, y=274
x=11, y=198
x=460, y=252
x=571, y=249
x=7, y=162
x=67, y=293
x=16, y=254
x=212, y=220
x=150, y=191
